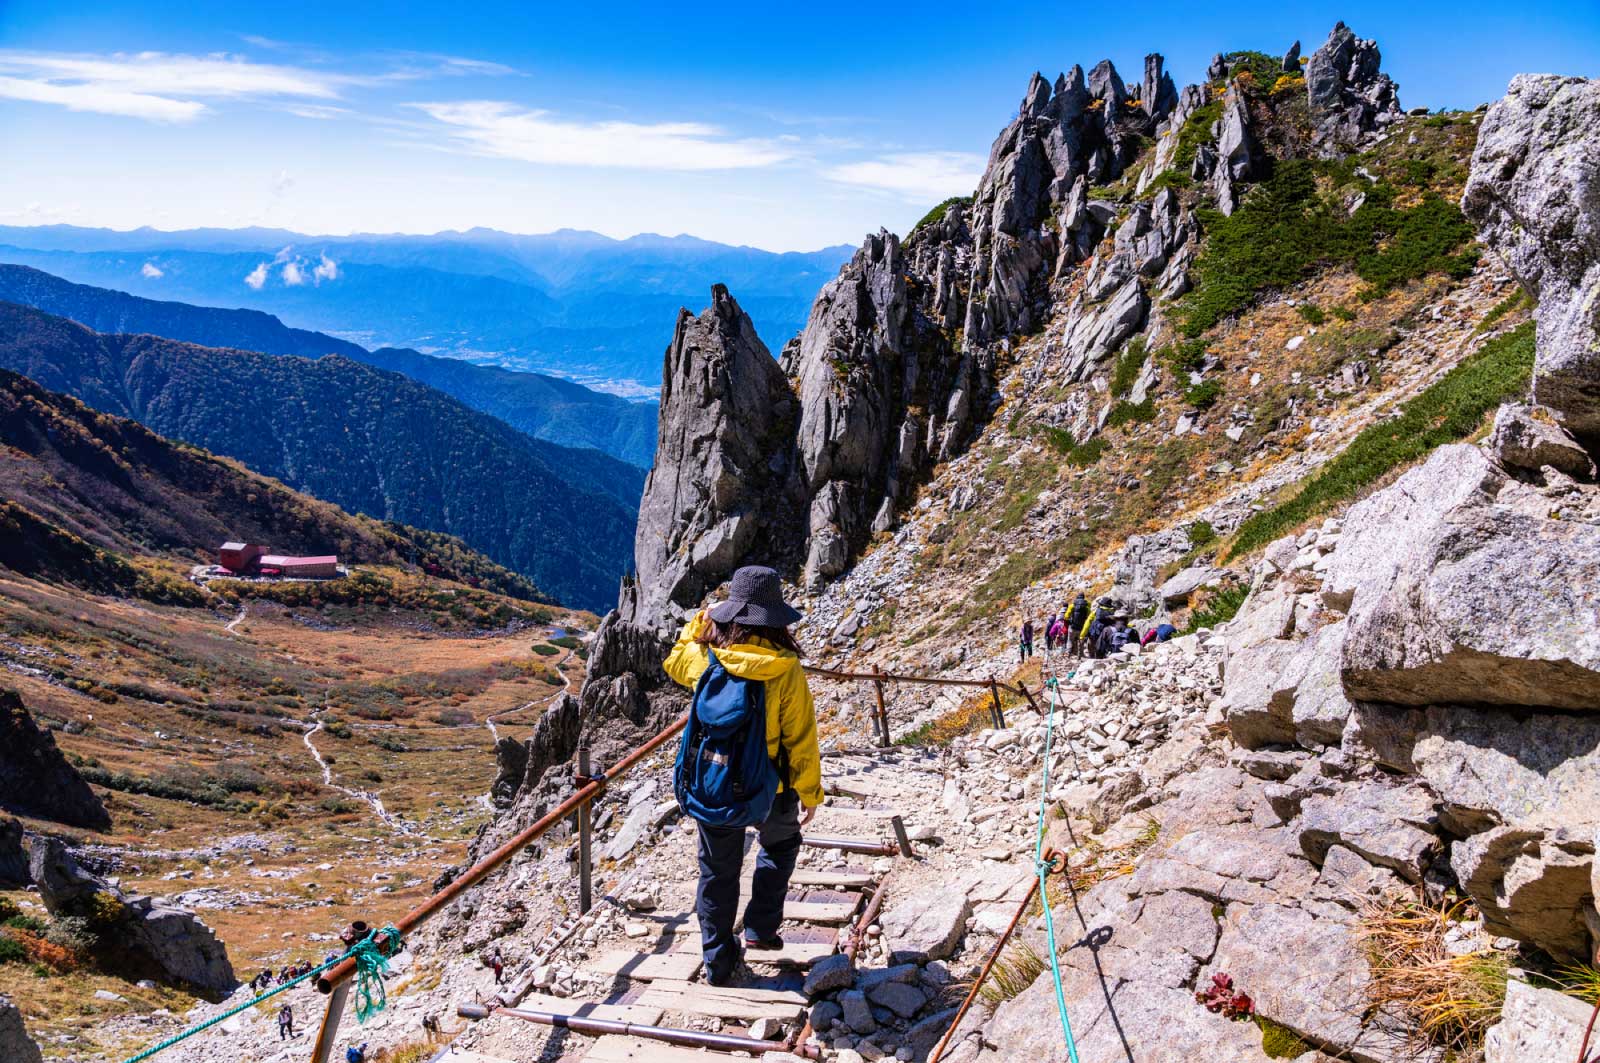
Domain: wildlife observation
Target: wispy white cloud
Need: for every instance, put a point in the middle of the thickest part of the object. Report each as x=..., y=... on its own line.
x=293, y=275
x=257, y=277
x=155, y=86
x=326, y=270
x=101, y=99
x=924, y=175
x=318, y=111
x=503, y=130
x=151, y=270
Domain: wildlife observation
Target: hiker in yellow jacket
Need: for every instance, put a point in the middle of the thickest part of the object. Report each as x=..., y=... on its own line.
x=750, y=633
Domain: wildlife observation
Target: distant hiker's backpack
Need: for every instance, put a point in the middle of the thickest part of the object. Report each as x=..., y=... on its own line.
x=724, y=777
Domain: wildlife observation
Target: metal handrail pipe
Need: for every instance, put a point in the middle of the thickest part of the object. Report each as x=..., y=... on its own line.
x=853, y=845
x=890, y=677
x=489, y=864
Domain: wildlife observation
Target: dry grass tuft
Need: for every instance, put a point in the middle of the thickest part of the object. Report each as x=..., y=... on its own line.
x=1015, y=971
x=1451, y=999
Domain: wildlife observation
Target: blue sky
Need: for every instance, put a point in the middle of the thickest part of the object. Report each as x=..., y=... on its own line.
x=785, y=127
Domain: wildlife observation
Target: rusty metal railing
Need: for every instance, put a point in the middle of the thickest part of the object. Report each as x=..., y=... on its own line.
x=997, y=716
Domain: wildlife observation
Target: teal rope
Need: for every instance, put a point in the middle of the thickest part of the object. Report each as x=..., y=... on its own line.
x=1042, y=869
x=371, y=963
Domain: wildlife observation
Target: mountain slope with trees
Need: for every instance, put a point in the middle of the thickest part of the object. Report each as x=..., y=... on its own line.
x=545, y=407
x=370, y=441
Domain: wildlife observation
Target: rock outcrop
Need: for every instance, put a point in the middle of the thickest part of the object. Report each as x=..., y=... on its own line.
x=721, y=491
x=35, y=779
x=883, y=395
x=139, y=936
x=15, y=1044
x=1350, y=98
x=1535, y=194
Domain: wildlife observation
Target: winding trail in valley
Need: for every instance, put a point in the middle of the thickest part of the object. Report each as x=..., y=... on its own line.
x=566, y=686
x=398, y=824
x=232, y=627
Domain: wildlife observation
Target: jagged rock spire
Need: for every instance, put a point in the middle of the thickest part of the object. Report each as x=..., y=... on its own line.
x=1350, y=98
x=720, y=491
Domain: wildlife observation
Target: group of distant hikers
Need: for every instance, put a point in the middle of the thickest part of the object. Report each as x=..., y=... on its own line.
x=1096, y=631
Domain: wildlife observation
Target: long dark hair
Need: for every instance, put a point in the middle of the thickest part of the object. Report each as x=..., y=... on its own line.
x=722, y=636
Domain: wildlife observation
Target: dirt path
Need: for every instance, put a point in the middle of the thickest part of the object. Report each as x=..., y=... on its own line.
x=233, y=625
x=566, y=685
x=366, y=797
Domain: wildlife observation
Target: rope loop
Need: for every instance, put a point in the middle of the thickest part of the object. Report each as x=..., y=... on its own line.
x=372, y=954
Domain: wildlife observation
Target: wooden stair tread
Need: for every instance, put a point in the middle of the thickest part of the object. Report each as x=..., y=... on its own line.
x=819, y=911
x=845, y=878
x=747, y=1005
x=616, y=1049
x=647, y=966
x=793, y=954
x=640, y=1014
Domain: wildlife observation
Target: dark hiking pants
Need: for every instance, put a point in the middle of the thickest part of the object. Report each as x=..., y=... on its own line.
x=717, y=899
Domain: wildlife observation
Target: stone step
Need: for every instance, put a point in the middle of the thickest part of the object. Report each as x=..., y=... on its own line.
x=647, y=966
x=746, y=1005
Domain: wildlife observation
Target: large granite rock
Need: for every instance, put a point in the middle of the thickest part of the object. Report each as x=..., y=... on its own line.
x=1534, y=192
x=1388, y=826
x=15, y=1044
x=35, y=779
x=140, y=936
x=1529, y=438
x=1468, y=601
x=1531, y=884
x=926, y=928
x=1350, y=98
x=1536, y=1024
x=721, y=491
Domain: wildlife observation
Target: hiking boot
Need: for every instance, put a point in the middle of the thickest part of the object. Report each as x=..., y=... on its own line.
x=761, y=944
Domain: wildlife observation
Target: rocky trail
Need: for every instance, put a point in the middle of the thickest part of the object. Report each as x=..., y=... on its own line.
x=491, y=720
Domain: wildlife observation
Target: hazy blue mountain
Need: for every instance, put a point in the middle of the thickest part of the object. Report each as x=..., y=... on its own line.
x=547, y=407
x=573, y=303
x=369, y=440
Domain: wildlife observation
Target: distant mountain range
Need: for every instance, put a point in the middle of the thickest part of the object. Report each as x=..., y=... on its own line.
x=74, y=481
x=546, y=407
x=576, y=304
x=369, y=440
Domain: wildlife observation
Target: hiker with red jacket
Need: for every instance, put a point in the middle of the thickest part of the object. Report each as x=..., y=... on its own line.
x=751, y=697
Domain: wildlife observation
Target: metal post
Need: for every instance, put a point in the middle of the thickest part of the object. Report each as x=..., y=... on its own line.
x=900, y=835
x=323, y=1050
x=585, y=838
x=997, y=716
x=883, y=714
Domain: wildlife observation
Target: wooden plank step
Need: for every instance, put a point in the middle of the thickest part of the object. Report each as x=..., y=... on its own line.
x=746, y=1005
x=648, y=966
x=845, y=878
x=641, y=1014
x=614, y=1049
x=793, y=954
x=819, y=911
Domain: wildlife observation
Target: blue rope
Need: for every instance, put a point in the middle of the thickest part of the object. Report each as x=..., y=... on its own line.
x=1042, y=869
x=372, y=963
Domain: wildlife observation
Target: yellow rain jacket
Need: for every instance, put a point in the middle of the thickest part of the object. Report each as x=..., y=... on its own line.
x=791, y=716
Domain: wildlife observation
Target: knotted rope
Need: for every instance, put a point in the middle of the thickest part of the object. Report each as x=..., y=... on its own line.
x=372, y=963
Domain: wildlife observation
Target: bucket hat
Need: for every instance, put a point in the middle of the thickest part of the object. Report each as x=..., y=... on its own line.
x=755, y=598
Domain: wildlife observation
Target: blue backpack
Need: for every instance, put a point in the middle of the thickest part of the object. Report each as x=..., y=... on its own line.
x=724, y=777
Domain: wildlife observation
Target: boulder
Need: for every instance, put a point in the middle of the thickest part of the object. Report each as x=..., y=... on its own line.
x=1389, y=826
x=1534, y=193
x=1536, y=1024
x=899, y=997
x=1463, y=600
x=35, y=778
x=13, y=857
x=1321, y=711
x=926, y=927
x=1325, y=1000
x=1184, y=583
x=1531, y=884
x=1529, y=437
x=140, y=936
x=857, y=1012
x=15, y=1044
x=828, y=974
x=1258, y=692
